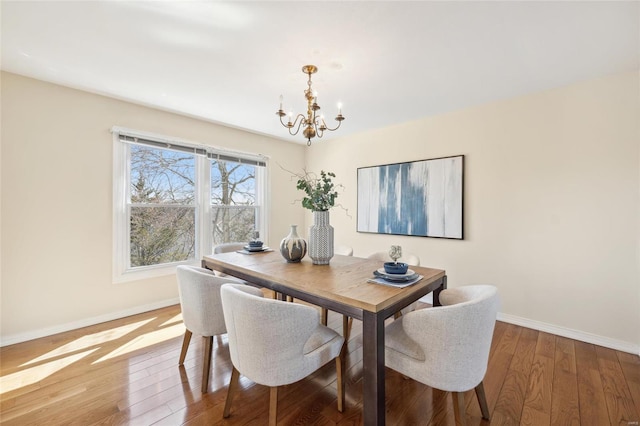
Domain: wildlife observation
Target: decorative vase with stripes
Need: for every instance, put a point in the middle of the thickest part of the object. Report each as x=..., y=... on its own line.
x=293, y=247
x=321, y=238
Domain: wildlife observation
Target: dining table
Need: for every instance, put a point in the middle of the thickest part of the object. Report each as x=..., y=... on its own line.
x=343, y=286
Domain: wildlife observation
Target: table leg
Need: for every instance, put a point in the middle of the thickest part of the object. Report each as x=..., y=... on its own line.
x=373, y=368
x=436, y=292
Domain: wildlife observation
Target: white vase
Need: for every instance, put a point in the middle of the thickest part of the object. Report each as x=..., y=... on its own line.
x=321, y=239
x=292, y=247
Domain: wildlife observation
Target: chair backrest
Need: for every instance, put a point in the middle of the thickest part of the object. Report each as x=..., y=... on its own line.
x=383, y=256
x=200, y=301
x=343, y=250
x=456, y=337
x=267, y=337
x=228, y=247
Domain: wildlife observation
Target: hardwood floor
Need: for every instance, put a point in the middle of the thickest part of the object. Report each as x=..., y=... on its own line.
x=126, y=372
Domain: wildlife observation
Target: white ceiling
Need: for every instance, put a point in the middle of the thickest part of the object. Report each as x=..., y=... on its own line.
x=387, y=62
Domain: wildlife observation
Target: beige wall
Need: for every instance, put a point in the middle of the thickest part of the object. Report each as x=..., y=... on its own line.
x=57, y=202
x=551, y=202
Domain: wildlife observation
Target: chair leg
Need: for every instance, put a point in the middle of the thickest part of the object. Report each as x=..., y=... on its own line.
x=233, y=386
x=273, y=405
x=340, y=383
x=185, y=346
x=482, y=400
x=459, y=408
x=324, y=316
x=206, y=368
x=346, y=328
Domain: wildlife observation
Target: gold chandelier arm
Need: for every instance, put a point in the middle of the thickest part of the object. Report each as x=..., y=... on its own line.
x=297, y=123
x=339, y=119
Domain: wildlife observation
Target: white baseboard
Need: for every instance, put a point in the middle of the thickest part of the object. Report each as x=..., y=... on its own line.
x=36, y=334
x=583, y=336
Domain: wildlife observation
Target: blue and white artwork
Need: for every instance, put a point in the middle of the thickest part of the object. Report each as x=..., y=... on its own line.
x=420, y=198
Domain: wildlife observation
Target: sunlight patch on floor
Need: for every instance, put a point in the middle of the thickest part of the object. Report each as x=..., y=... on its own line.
x=35, y=374
x=146, y=340
x=174, y=320
x=90, y=340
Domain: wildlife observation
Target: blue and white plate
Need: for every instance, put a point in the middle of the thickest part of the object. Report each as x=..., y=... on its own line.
x=256, y=249
x=410, y=275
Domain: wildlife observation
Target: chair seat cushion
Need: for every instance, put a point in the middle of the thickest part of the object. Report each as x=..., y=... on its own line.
x=321, y=336
x=396, y=339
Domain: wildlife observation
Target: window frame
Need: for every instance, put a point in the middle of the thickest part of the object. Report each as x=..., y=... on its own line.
x=122, y=271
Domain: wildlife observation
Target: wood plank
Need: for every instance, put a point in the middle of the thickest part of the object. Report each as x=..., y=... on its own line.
x=564, y=401
x=508, y=409
x=593, y=406
x=443, y=410
x=500, y=358
x=401, y=393
x=630, y=364
x=537, y=403
x=620, y=403
x=309, y=410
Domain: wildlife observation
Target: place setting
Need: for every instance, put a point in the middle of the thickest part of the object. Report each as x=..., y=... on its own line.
x=254, y=245
x=395, y=274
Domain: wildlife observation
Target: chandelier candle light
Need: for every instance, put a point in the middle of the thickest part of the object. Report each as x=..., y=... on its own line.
x=313, y=124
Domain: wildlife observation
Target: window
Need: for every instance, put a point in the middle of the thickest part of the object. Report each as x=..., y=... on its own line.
x=234, y=210
x=174, y=201
x=162, y=210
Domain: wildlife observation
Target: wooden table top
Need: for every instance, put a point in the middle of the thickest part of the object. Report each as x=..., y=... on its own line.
x=344, y=280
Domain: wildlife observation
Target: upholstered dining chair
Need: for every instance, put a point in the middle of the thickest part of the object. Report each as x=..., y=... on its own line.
x=343, y=250
x=383, y=256
x=201, y=306
x=279, y=343
x=447, y=347
x=227, y=248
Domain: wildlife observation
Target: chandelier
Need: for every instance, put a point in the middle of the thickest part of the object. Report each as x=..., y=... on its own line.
x=313, y=124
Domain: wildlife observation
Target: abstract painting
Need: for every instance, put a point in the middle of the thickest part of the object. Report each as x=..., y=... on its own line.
x=419, y=198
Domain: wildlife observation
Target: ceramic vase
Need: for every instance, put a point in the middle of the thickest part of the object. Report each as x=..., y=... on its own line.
x=293, y=247
x=321, y=239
